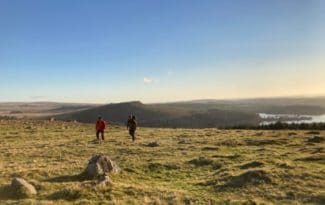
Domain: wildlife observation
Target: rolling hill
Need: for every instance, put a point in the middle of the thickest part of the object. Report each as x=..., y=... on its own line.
x=163, y=115
x=37, y=109
x=187, y=114
x=200, y=113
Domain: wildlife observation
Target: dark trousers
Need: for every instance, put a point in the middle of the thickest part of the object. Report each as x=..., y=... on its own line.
x=132, y=133
x=100, y=132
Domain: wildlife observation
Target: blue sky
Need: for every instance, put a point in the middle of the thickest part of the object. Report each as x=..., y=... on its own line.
x=157, y=51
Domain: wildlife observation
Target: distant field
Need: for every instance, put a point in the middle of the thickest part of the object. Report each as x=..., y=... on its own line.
x=190, y=166
x=39, y=109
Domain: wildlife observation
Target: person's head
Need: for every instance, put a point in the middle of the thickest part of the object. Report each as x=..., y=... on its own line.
x=130, y=116
x=100, y=118
x=133, y=117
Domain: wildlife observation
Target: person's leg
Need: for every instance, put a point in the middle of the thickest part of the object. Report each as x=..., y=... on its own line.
x=103, y=135
x=130, y=133
x=133, y=135
x=97, y=134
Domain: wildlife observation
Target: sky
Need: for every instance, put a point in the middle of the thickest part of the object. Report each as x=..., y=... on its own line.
x=105, y=51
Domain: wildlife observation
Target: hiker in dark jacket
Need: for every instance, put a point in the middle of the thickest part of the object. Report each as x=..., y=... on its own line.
x=132, y=126
x=128, y=122
x=100, y=127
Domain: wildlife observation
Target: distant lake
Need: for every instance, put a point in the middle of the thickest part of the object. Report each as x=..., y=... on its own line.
x=290, y=118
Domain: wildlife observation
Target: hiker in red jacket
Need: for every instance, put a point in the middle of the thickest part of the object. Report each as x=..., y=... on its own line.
x=100, y=127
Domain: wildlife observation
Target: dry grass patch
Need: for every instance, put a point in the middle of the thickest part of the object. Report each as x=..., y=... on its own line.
x=189, y=166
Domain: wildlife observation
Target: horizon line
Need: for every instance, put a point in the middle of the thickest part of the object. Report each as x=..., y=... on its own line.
x=178, y=101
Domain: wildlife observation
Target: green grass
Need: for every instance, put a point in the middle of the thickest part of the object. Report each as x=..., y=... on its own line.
x=190, y=166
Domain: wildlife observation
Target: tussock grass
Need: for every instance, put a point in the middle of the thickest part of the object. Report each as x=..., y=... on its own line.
x=189, y=166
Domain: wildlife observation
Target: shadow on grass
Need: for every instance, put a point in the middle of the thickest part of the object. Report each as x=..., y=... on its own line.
x=68, y=178
x=6, y=193
x=251, y=177
x=68, y=194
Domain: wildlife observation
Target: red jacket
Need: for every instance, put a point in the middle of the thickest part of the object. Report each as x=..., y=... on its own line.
x=100, y=125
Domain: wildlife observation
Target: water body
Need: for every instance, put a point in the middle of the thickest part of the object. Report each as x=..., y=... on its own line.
x=290, y=118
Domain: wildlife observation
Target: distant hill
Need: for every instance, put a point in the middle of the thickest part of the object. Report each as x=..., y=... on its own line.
x=37, y=109
x=305, y=106
x=267, y=101
x=163, y=115
x=187, y=114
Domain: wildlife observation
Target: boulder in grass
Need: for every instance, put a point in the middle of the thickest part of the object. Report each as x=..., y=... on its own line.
x=100, y=165
x=21, y=188
x=153, y=144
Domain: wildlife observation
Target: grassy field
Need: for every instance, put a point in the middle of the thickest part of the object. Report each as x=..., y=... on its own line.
x=190, y=166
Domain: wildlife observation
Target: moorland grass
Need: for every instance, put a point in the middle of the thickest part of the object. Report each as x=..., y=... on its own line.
x=186, y=166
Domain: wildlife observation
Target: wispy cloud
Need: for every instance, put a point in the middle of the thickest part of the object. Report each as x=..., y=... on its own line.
x=148, y=80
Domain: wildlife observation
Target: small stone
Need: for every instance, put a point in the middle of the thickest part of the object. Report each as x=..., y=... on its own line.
x=153, y=144
x=22, y=188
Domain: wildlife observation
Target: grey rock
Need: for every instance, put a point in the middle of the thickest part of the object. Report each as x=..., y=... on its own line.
x=22, y=188
x=99, y=165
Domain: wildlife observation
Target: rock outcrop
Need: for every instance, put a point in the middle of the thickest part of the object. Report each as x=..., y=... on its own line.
x=100, y=165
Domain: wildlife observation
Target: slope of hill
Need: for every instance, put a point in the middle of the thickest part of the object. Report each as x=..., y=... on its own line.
x=163, y=115
x=188, y=166
x=190, y=114
x=37, y=109
x=201, y=113
x=279, y=101
x=306, y=106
